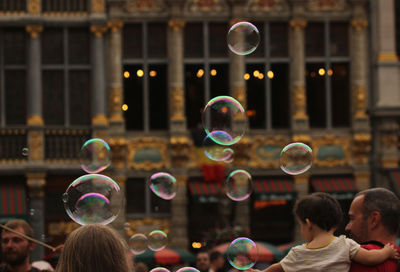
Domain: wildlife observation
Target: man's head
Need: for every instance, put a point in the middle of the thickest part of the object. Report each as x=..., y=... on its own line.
x=374, y=214
x=16, y=249
x=217, y=260
x=202, y=261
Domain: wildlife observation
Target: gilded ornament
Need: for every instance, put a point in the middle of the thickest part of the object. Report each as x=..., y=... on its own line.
x=99, y=120
x=266, y=6
x=181, y=151
x=299, y=96
x=298, y=24
x=98, y=6
x=147, y=143
x=35, y=120
x=360, y=101
x=98, y=30
x=34, y=7
x=361, y=147
x=34, y=30
x=35, y=141
x=334, y=141
x=178, y=104
x=265, y=152
x=176, y=24
x=118, y=147
x=359, y=24
x=326, y=5
x=387, y=57
x=115, y=25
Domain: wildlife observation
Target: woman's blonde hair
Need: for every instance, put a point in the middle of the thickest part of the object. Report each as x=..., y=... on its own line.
x=93, y=248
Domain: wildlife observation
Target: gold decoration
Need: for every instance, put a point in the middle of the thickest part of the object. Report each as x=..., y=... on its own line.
x=302, y=138
x=359, y=24
x=98, y=6
x=176, y=24
x=34, y=30
x=265, y=6
x=362, y=179
x=301, y=179
x=389, y=139
x=360, y=101
x=35, y=120
x=317, y=143
x=36, y=183
x=118, y=149
x=147, y=142
x=239, y=93
x=242, y=148
x=35, y=143
x=387, y=57
x=34, y=7
x=181, y=151
x=178, y=104
x=262, y=159
x=361, y=147
x=142, y=6
x=99, y=120
x=115, y=104
x=98, y=30
x=298, y=24
x=326, y=5
x=182, y=180
x=62, y=228
x=299, y=97
x=390, y=162
x=115, y=25
x=146, y=225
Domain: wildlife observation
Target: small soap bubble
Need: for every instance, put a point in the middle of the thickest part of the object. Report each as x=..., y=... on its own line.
x=242, y=253
x=243, y=38
x=157, y=240
x=93, y=198
x=25, y=151
x=239, y=185
x=159, y=269
x=95, y=156
x=214, y=151
x=138, y=243
x=163, y=185
x=218, y=116
x=32, y=212
x=296, y=158
x=187, y=269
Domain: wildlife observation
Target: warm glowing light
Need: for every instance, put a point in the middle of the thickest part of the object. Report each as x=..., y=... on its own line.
x=251, y=113
x=261, y=76
x=330, y=72
x=256, y=73
x=200, y=73
x=124, y=107
x=213, y=72
x=246, y=76
x=153, y=73
x=321, y=71
x=270, y=74
x=224, y=109
x=196, y=245
x=127, y=74
x=139, y=73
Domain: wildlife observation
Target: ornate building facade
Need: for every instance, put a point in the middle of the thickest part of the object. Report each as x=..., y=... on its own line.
x=137, y=74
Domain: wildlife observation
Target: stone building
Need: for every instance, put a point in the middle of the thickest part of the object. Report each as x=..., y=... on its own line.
x=137, y=74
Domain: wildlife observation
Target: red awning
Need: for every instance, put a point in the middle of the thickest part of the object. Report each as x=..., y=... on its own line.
x=274, y=188
x=204, y=191
x=341, y=187
x=12, y=199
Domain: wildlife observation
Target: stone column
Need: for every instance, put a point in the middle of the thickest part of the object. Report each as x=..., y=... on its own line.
x=176, y=76
x=178, y=236
x=115, y=91
x=387, y=83
x=34, y=77
x=301, y=185
x=36, y=192
x=297, y=79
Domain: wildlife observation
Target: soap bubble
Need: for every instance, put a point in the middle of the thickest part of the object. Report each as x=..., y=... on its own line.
x=187, y=269
x=218, y=116
x=157, y=240
x=93, y=198
x=163, y=185
x=159, y=269
x=95, y=156
x=239, y=185
x=25, y=151
x=214, y=151
x=138, y=243
x=242, y=253
x=296, y=158
x=243, y=38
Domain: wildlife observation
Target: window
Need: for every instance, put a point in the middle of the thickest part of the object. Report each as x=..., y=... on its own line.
x=13, y=56
x=267, y=78
x=327, y=74
x=66, y=76
x=142, y=202
x=206, y=67
x=145, y=76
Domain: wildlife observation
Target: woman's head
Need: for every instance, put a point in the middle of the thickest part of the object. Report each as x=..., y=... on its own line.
x=321, y=209
x=93, y=248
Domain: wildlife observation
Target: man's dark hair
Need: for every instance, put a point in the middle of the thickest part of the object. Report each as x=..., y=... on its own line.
x=321, y=209
x=215, y=255
x=386, y=203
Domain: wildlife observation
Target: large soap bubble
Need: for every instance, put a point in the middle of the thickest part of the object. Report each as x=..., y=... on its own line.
x=296, y=158
x=95, y=155
x=242, y=253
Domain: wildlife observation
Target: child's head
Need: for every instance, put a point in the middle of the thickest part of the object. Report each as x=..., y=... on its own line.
x=320, y=208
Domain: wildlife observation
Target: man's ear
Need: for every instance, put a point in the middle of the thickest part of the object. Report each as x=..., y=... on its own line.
x=374, y=219
x=308, y=223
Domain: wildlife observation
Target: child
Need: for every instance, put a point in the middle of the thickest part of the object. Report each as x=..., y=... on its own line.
x=318, y=215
